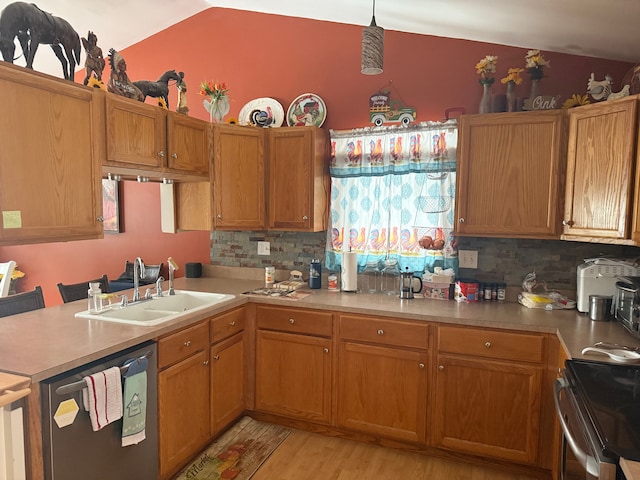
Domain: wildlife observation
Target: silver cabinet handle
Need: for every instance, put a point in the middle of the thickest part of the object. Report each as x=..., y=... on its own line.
x=292, y=321
x=421, y=365
x=304, y=217
x=233, y=323
x=161, y=153
x=216, y=357
x=174, y=155
x=461, y=220
x=100, y=219
x=205, y=363
x=187, y=343
x=487, y=344
x=567, y=223
x=440, y=367
x=380, y=332
x=325, y=350
x=219, y=215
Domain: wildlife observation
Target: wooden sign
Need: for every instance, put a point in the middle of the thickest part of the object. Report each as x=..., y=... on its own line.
x=542, y=102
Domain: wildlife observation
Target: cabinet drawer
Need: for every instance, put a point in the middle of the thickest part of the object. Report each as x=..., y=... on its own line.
x=383, y=331
x=183, y=344
x=495, y=344
x=295, y=320
x=227, y=324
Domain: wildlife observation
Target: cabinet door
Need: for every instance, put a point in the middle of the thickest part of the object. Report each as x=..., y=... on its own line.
x=600, y=165
x=488, y=408
x=239, y=182
x=509, y=174
x=297, y=189
x=293, y=375
x=187, y=144
x=382, y=391
x=136, y=134
x=50, y=159
x=227, y=382
x=183, y=411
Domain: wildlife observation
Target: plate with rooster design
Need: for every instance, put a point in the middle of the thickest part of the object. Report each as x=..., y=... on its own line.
x=262, y=112
x=306, y=110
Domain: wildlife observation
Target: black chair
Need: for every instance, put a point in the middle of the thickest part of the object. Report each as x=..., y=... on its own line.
x=21, y=302
x=78, y=291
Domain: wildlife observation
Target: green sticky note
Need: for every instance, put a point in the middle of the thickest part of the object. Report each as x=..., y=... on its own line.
x=12, y=219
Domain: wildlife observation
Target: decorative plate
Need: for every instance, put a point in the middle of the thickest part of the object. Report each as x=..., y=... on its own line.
x=307, y=110
x=262, y=112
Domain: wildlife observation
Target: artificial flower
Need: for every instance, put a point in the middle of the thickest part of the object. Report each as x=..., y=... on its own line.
x=535, y=63
x=162, y=103
x=513, y=75
x=485, y=68
x=15, y=275
x=95, y=83
x=216, y=90
x=576, y=100
x=232, y=121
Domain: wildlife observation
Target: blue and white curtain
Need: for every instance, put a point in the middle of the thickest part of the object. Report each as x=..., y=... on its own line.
x=390, y=188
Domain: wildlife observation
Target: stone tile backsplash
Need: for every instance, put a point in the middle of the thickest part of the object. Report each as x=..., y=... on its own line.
x=499, y=259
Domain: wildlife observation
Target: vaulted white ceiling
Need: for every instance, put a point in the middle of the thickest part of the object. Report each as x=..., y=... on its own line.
x=594, y=28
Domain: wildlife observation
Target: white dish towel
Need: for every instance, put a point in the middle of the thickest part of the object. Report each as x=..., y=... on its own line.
x=102, y=397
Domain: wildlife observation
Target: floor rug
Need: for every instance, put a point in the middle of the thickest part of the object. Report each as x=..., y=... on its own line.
x=238, y=453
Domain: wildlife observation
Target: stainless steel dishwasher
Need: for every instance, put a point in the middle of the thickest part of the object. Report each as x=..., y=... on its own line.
x=75, y=451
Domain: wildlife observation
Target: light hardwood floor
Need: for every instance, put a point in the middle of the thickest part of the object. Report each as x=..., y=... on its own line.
x=309, y=456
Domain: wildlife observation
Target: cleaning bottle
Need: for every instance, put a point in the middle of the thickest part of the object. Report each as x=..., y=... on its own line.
x=95, y=298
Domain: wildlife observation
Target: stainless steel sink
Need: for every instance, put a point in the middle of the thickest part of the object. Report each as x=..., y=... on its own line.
x=158, y=309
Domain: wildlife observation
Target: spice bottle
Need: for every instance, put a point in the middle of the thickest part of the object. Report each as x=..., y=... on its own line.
x=502, y=292
x=269, y=273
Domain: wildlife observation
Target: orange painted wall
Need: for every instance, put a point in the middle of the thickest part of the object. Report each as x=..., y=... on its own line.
x=260, y=55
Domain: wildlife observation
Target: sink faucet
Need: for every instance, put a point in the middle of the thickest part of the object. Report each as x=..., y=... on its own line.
x=173, y=266
x=138, y=273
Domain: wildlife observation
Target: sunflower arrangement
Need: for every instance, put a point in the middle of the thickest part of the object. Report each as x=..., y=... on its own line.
x=95, y=83
x=576, y=100
x=535, y=63
x=513, y=75
x=162, y=103
x=485, y=68
x=216, y=90
x=233, y=121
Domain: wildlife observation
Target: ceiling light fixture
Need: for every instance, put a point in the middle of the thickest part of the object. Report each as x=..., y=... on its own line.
x=372, y=47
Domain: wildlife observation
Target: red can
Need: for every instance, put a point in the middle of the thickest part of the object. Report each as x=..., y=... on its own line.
x=466, y=290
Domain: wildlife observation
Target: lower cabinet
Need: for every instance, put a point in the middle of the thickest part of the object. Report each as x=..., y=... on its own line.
x=183, y=396
x=294, y=363
x=382, y=388
x=488, y=392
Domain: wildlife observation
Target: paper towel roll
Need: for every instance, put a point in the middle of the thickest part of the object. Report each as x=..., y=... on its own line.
x=349, y=271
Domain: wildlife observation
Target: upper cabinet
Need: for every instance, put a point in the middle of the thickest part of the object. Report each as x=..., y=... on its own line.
x=298, y=180
x=602, y=159
x=52, y=137
x=509, y=175
x=149, y=141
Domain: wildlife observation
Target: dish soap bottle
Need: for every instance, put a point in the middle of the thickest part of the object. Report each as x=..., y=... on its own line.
x=95, y=298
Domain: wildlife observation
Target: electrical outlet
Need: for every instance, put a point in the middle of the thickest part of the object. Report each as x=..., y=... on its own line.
x=468, y=258
x=264, y=248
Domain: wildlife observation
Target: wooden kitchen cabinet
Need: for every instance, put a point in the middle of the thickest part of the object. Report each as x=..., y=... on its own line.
x=383, y=369
x=183, y=396
x=509, y=174
x=149, y=141
x=238, y=178
x=227, y=368
x=293, y=364
x=488, y=393
x=601, y=168
x=50, y=160
x=298, y=180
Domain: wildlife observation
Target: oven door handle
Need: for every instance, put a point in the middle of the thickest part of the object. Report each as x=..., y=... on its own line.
x=588, y=462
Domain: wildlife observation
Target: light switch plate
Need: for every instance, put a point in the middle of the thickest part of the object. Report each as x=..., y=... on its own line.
x=468, y=258
x=264, y=248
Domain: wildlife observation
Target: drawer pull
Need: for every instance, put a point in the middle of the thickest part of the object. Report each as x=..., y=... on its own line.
x=205, y=363
x=325, y=350
x=216, y=357
x=421, y=365
x=487, y=344
x=440, y=367
x=187, y=343
x=292, y=321
x=380, y=332
x=233, y=323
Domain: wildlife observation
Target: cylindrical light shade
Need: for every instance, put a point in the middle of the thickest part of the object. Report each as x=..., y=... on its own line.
x=372, y=49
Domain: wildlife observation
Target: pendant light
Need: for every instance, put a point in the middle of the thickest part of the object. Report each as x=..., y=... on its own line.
x=372, y=47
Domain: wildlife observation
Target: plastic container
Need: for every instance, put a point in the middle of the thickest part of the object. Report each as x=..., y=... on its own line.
x=95, y=298
x=269, y=274
x=315, y=273
x=466, y=290
x=332, y=282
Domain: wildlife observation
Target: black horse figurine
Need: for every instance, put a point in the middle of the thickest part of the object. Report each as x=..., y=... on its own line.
x=32, y=26
x=159, y=88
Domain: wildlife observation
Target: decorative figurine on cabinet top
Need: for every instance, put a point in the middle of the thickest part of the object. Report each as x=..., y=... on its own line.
x=160, y=88
x=94, y=63
x=602, y=90
x=33, y=26
x=119, y=82
x=182, y=95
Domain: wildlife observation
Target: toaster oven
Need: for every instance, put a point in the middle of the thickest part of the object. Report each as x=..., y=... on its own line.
x=627, y=304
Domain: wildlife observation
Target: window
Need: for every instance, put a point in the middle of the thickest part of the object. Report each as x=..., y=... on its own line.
x=391, y=188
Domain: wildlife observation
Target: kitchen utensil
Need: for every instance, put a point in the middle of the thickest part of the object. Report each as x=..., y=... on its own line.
x=407, y=284
x=600, y=307
x=616, y=346
x=617, y=355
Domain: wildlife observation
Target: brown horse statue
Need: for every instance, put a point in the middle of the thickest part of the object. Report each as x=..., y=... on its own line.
x=32, y=26
x=160, y=88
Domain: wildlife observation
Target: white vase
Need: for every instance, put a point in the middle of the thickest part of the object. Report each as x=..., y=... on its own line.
x=217, y=108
